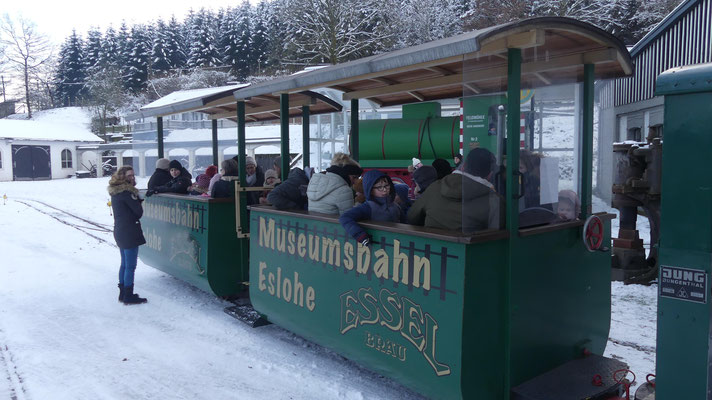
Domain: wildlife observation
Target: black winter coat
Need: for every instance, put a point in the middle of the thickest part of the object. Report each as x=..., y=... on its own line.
x=178, y=185
x=290, y=194
x=159, y=178
x=222, y=189
x=127, y=214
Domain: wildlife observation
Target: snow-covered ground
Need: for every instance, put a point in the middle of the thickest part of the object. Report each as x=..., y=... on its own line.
x=63, y=335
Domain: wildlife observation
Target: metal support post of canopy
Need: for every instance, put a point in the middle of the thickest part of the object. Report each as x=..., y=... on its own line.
x=215, y=141
x=284, y=133
x=241, y=201
x=354, y=129
x=305, y=137
x=159, y=134
x=587, y=141
x=513, y=189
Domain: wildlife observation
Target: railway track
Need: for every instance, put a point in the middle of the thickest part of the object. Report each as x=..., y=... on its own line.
x=11, y=382
x=86, y=226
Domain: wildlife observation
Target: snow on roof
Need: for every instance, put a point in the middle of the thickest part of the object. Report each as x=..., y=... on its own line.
x=185, y=95
x=251, y=132
x=69, y=124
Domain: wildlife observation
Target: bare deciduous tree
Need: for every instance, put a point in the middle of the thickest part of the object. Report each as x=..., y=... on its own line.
x=26, y=50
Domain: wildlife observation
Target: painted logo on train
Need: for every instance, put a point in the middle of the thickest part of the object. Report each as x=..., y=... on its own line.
x=402, y=263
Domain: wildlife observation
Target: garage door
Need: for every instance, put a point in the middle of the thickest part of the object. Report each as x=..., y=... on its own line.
x=30, y=163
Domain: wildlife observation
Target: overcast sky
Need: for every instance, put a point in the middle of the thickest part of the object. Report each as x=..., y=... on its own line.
x=57, y=18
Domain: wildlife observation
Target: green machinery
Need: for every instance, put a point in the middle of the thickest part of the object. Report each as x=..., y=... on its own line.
x=421, y=133
x=683, y=341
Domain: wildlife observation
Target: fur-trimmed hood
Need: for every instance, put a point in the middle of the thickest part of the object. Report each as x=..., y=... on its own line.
x=115, y=188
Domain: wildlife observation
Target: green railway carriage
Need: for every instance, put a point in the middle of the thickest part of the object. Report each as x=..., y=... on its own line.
x=493, y=314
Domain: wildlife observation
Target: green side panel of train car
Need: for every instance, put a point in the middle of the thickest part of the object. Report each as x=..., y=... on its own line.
x=194, y=240
x=560, y=301
x=683, y=337
x=395, y=307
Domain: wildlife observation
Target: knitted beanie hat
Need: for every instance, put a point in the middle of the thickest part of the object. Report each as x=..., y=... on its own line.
x=175, y=164
x=163, y=163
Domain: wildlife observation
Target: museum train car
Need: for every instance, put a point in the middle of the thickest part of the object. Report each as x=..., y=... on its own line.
x=519, y=312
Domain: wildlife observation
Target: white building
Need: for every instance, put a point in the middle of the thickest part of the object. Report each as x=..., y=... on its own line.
x=45, y=147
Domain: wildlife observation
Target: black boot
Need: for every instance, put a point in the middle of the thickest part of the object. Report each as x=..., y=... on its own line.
x=131, y=298
x=121, y=292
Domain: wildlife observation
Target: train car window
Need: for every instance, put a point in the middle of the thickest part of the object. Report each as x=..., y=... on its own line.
x=481, y=174
x=549, y=156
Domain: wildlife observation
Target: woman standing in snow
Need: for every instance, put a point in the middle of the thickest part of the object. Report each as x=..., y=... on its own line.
x=127, y=229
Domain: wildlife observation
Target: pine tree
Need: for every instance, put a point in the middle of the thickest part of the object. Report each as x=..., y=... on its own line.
x=203, y=50
x=139, y=59
x=175, y=44
x=244, y=41
x=93, y=51
x=109, y=49
x=228, y=40
x=123, y=48
x=260, y=38
x=160, y=61
x=70, y=75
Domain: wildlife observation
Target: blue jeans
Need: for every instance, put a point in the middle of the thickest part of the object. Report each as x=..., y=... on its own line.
x=129, y=258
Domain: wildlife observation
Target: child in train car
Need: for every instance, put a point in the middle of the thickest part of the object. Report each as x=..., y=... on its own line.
x=379, y=206
x=202, y=182
x=402, y=199
x=424, y=177
x=271, y=180
x=569, y=206
x=179, y=184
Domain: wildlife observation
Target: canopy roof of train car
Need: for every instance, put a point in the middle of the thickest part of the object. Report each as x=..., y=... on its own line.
x=554, y=50
x=219, y=102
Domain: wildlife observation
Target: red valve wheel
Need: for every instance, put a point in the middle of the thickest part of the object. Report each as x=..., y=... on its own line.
x=593, y=233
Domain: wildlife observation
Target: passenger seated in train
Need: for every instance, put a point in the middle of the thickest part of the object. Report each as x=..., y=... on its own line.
x=179, y=184
x=330, y=192
x=423, y=178
x=442, y=167
x=529, y=167
x=379, y=206
x=292, y=193
x=202, y=182
x=402, y=199
x=271, y=180
x=223, y=188
x=359, y=197
x=442, y=204
x=254, y=178
x=160, y=176
x=569, y=206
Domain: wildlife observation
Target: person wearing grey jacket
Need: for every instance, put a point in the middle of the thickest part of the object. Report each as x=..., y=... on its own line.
x=330, y=192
